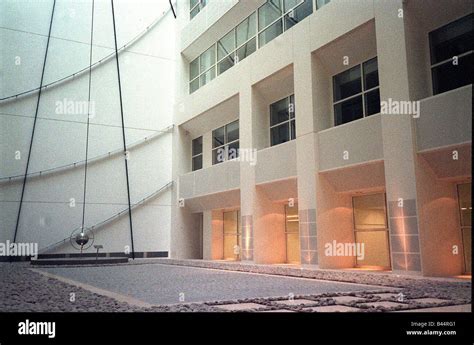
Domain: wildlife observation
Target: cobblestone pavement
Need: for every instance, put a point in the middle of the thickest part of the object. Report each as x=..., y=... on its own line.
x=22, y=289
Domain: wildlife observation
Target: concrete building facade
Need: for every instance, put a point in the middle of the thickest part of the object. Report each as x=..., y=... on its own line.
x=330, y=134
x=352, y=121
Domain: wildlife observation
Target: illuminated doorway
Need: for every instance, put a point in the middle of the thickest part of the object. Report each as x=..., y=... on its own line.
x=371, y=229
x=292, y=234
x=232, y=235
x=465, y=212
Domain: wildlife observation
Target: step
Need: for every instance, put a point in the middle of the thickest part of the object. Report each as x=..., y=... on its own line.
x=80, y=261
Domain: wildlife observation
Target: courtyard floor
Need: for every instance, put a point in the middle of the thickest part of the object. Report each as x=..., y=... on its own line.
x=166, y=285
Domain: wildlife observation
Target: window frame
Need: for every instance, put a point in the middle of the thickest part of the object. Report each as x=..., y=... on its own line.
x=290, y=119
x=226, y=143
x=281, y=18
x=233, y=54
x=198, y=154
x=200, y=74
x=362, y=94
x=200, y=4
x=446, y=61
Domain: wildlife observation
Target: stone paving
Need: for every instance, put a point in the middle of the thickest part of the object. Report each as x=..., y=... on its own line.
x=22, y=289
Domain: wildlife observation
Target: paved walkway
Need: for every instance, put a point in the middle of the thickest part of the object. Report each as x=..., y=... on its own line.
x=167, y=284
x=157, y=287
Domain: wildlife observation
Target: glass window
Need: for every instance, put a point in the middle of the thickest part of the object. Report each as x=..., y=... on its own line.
x=218, y=137
x=453, y=40
x=225, y=64
x=349, y=110
x=233, y=150
x=208, y=76
x=226, y=45
x=280, y=134
x=273, y=17
x=282, y=121
x=194, y=69
x=232, y=131
x=369, y=212
x=279, y=112
x=372, y=102
x=246, y=50
x=197, y=163
x=370, y=230
x=352, y=98
x=448, y=76
x=197, y=146
x=268, y=13
x=194, y=11
x=207, y=59
x=218, y=155
x=246, y=29
x=321, y=3
x=225, y=142
x=270, y=33
x=196, y=154
x=194, y=85
x=195, y=6
x=289, y=4
x=347, y=83
x=298, y=14
x=371, y=74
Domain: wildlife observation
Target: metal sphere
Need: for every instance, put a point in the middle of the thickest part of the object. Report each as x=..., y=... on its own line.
x=82, y=239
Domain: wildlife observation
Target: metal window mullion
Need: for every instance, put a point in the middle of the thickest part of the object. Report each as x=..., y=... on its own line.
x=451, y=59
x=266, y=27
x=281, y=123
x=348, y=98
x=197, y=4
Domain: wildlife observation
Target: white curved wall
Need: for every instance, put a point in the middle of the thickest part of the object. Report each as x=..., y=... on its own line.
x=147, y=76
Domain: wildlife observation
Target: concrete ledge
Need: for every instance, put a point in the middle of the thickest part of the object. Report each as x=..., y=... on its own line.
x=79, y=261
x=349, y=276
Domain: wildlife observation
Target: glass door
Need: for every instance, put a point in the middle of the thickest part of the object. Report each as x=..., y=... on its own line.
x=370, y=229
x=232, y=235
x=465, y=211
x=292, y=235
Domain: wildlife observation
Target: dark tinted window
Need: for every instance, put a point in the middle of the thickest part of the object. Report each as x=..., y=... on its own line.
x=347, y=83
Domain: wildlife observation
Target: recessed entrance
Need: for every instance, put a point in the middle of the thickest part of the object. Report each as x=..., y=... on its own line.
x=371, y=230
x=465, y=212
x=232, y=235
x=292, y=235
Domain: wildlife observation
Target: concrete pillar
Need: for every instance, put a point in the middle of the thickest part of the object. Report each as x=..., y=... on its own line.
x=247, y=173
x=305, y=145
x=185, y=235
x=263, y=222
x=398, y=139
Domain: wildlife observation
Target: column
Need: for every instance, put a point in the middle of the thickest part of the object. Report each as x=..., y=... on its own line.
x=398, y=142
